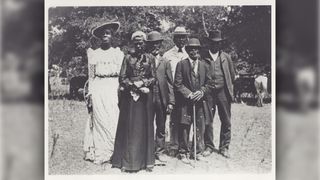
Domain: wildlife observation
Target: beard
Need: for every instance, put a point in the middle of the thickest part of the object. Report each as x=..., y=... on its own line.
x=194, y=56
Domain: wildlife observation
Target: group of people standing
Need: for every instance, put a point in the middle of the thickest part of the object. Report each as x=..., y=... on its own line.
x=187, y=84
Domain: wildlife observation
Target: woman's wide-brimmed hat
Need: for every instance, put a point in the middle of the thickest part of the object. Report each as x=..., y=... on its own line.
x=193, y=42
x=98, y=31
x=215, y=36
x=154, y=36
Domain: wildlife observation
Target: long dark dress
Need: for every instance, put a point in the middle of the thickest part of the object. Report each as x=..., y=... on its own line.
x=134, y=143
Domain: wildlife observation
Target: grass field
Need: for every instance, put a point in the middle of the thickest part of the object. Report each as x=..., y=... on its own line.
x=250, y=145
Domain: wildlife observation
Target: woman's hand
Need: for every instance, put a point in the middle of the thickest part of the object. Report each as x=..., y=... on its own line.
x=138, y=84
x=145, y=90
x=89, y=103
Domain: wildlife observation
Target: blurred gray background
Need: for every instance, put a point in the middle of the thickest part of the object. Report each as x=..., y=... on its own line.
x=22, y=90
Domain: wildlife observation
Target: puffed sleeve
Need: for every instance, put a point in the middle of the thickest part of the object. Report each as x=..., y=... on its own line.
x=119, y=55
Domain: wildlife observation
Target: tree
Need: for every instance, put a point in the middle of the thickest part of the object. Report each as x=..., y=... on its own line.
x=248, y=28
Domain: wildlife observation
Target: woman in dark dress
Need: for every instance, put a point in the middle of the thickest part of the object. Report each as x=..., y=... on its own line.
x=134, y=143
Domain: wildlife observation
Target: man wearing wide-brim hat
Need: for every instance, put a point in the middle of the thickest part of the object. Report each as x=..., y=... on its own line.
x=192, y=83
x=223, y=75
x=177, y=53
x=163, y=92
x=174, y=55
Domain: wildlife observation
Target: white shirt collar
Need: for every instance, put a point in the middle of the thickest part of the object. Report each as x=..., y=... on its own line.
x=191, y=61
x=196, y=65
x=177, y=49
x=214, y=56
x=157, y=58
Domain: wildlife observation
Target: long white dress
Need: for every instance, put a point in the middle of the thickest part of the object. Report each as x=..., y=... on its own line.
x=99, y=137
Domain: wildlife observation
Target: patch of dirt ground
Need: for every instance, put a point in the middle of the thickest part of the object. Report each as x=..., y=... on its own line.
x=250, y=149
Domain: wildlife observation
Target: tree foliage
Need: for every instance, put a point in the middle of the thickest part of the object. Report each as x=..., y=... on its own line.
x=248, y=29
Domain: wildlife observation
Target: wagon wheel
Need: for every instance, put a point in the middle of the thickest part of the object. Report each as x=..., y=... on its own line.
x=86, y=91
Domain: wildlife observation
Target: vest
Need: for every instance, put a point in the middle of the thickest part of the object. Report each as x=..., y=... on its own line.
x=218, y=76
x=195, y=79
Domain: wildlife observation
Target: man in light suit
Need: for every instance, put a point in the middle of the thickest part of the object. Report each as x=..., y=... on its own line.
x=163, y=92
x=192, y=83
x=223, y=75
x=175, y=55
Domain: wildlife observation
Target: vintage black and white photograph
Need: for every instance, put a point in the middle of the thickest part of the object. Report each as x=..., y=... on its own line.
x=160, y=90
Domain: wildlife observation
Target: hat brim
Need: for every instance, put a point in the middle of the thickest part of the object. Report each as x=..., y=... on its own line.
x=113, y=26
x=216, y=39
x=180, y=33
x=189, y=46
x=154, y=40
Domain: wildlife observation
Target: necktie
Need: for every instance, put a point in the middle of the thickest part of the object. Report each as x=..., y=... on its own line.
x=194, y=67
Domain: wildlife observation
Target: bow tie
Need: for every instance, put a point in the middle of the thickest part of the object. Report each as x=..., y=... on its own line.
x=180, y=50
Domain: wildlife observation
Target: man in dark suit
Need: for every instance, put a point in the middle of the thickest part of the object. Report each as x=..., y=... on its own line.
x=163, y=92
x=192, y=82
x=223, y=75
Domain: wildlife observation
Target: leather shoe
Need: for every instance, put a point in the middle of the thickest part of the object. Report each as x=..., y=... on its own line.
x=198, y=157
x=184, y=158
x=192, y=156
x=173, y=152
x=162, y=158
x=225, y=153
x=149, y=169
x=123, y=169
x=207, y=152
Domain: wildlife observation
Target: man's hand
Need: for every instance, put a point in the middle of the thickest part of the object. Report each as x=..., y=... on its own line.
x=138, y=84
x=197, y=96
x=169, y=108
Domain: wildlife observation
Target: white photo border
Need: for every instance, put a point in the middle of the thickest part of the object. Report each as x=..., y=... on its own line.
x=242, y=176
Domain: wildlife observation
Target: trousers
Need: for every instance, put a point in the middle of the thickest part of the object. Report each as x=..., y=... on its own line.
x=160, y=118
x=221, y=101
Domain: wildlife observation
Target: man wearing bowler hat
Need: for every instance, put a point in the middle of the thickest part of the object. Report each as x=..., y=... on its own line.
x=223, y=75
x=192, y=83
x=174, y=55
x=163, y=96
x=178, y=52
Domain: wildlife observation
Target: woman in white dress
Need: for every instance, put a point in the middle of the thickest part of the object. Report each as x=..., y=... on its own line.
x=104, y=64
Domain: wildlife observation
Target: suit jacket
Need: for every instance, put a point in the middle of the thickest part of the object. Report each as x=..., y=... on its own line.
x=227, y=68
x=184, y=87
x=165, y=81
